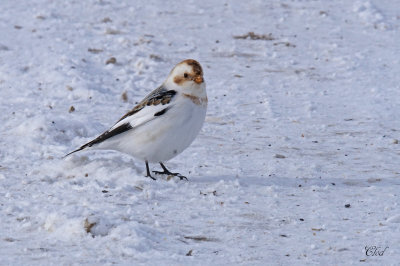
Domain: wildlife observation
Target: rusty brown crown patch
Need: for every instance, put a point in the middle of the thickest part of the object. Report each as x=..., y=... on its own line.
x=197, y=70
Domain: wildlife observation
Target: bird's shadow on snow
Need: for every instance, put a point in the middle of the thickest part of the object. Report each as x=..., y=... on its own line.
x=280, y=181
x=116, y=162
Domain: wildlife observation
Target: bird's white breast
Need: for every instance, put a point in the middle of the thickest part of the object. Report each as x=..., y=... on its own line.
x=166, y=136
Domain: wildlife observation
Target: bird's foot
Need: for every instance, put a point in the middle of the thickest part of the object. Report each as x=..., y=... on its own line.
x=148, y=171
x=170, y=174
x=151, y=177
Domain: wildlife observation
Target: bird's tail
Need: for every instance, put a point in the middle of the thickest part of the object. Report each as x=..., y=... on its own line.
x=106, y=135
x=79, y=149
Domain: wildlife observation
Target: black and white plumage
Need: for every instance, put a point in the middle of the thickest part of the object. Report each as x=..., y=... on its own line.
x=164, y=123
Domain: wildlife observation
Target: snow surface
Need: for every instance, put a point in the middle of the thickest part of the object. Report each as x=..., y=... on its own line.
x=303, y=119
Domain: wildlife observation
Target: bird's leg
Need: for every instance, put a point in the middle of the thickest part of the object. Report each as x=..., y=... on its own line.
x=148, y=171
x=167, y=172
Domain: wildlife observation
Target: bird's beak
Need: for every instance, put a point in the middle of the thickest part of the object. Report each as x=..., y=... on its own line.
x=198, y=79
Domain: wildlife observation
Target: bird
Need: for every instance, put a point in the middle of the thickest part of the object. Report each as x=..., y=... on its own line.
x=163, y=124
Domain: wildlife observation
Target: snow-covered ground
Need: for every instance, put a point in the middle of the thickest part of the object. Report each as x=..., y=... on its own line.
x=303, y=120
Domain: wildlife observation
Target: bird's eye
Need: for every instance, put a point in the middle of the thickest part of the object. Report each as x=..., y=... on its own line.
x=185, y=75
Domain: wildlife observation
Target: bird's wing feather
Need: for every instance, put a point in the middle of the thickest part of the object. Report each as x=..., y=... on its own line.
x=151, y=107
x=145, y=111
x=157, y=96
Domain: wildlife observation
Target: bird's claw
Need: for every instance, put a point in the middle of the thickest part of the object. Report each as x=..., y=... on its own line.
x=151, y=177
x=171, y=174
x=181, y=177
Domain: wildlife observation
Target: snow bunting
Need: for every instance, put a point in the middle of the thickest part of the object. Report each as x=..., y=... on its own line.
x=164, y=123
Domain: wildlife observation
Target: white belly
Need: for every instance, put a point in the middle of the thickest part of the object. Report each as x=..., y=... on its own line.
x=164, y=137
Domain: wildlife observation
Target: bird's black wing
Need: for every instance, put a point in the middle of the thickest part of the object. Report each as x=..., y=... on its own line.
x=159, y=96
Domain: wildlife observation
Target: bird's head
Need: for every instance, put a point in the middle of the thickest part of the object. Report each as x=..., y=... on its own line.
x=188, y=75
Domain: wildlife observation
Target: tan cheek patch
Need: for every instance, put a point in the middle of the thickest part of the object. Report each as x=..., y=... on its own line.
x=179, y=80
